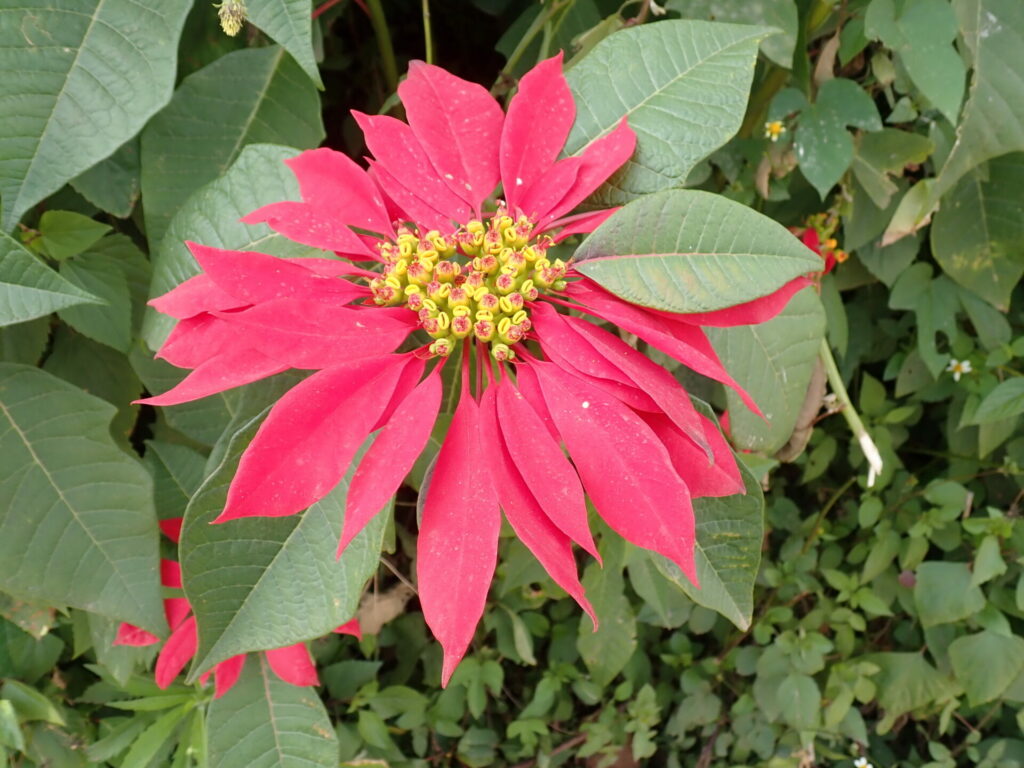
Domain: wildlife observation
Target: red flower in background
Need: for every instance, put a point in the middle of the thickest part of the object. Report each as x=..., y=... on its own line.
x=476, y=278
x=291, y=663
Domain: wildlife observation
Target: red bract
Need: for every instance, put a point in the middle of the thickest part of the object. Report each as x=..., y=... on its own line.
x=442, y=255
x=291, y=663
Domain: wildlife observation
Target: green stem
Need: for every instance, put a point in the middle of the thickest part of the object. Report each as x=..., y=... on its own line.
x=387, y=51
x=428, y=38
x=504, y=81
x=835, y=381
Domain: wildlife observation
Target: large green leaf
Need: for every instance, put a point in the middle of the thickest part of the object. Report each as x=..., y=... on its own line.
x=111, y=322
x=943, y=593
x=906, y=682
x=256, y=95
x=114, y=184
x=773, y=361
x=682, y=84
x=986, y=664
x=993, y=118
x=30, y=289
x=76, y=514
x=263, y=722
x=78, y=78
x=689, y=251
x=211, y=217
x=978, y=232
x=288, y=23
x=729, y=537
x=781, y=14
x=263, y=582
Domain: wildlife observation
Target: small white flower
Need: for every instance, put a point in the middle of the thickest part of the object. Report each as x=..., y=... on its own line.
x=862, y=762
x=958, y=368
x=773, y=129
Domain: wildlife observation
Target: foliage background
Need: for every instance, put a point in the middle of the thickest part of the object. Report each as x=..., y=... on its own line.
x=885, y=622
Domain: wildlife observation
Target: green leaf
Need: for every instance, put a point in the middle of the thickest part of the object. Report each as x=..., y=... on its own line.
x=607, y=650
x=10, y=730
x=721, y=254
x=923, y=37
x=728, y=553
x=149, y=742
x=288, y=23
x=114, y=184
x=259, y=95
x=801, y=701
x=263, y=722
x=781, y=14
x=76, y=513
x=905, y=683
x=886, y=153
x=65, y=233
x=110, y=323
x=935, y=303
x=100, y=371
x=993, y=118
x=85, y=79
x=682, y=84
x=978, y=233
x=824, y=148
x=285, y=585
x=30, y=289
x=1003, y=402
x=177, y=473
x=986, y=664
x=944, y=594
x=24, y=342
x=211, y=217
x=29, y=703
x=24, y=657
x=773, y=361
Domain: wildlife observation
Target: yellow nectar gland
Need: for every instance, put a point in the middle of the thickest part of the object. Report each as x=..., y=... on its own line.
x=476, y=283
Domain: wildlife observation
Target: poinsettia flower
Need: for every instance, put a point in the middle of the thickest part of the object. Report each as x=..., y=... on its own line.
x=291, y=664
x=429, y=247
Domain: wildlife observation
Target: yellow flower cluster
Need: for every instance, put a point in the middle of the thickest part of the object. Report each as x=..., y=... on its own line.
x=485, y=295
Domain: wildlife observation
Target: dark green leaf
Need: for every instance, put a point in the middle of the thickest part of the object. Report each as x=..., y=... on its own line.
x=682, y=84
x=906, y=682
x=715, y=254
x=111, y=322
x=263, y=722
x=607, y=650
x=943, y=593
x=76, y=516
x=256, y=95
x=728, y=553
x=978, y=233
x=85, y=81
x=114, y=184
x=781, y=14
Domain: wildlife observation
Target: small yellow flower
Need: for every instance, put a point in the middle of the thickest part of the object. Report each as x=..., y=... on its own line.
x=958, y=368
x=773, y=129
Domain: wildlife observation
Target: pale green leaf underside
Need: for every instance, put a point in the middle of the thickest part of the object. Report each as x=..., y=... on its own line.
x=992, y=123
x=255, y=95
x=728, y=553
x=211, y=217
x=773, y=362
x=263, y=582
x=691, y=251
x=263, y=722
x=682, y=84
x=30, y=289
x=77, y=80
x=76, y=514
x=288, y=23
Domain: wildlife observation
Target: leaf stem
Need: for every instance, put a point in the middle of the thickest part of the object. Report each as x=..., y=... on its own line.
x=867, y=445
x=504, y=81
x=387, y=51
x=428, y=38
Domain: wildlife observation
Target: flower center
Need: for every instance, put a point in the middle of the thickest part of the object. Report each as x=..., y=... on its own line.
x=477, y=282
